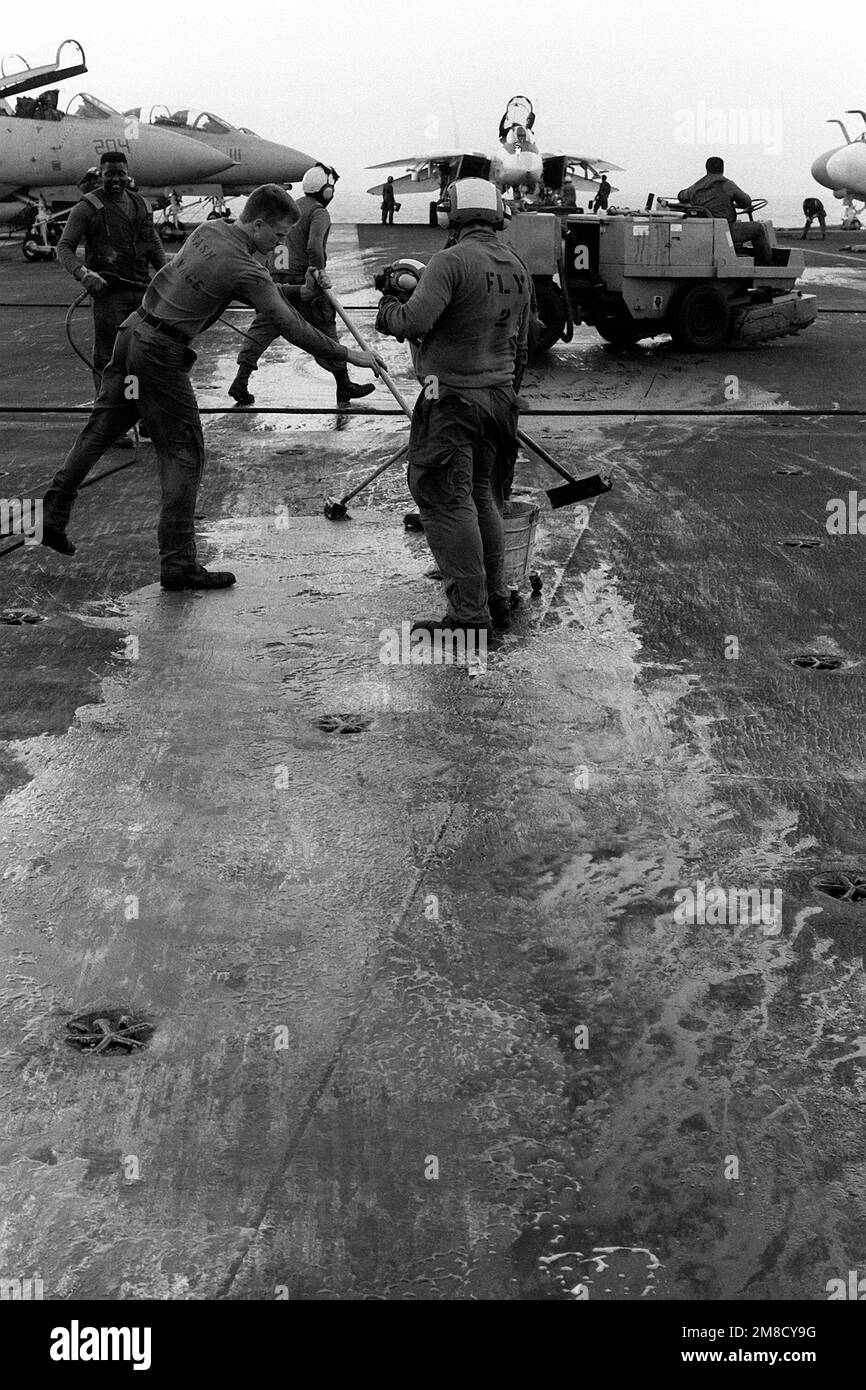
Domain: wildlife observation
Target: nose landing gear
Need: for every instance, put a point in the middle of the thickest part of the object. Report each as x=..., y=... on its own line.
x=42, y=235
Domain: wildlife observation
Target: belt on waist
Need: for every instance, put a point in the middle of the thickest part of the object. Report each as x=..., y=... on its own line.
x=167, y=328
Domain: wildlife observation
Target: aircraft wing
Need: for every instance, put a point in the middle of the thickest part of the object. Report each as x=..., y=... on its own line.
x=594, y=163
x=589, y=161
x=407, y=184
x=415, y=160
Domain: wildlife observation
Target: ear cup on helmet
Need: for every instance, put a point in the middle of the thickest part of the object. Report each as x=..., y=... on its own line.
x=316, y=180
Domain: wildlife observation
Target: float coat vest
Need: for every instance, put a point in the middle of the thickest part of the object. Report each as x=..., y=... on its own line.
x=116, y=244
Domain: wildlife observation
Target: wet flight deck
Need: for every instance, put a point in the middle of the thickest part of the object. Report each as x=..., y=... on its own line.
x=417, y=1016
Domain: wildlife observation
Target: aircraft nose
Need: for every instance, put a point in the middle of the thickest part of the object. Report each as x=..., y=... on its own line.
x=846, y=168
x=291, y=164
x=163, y=157
x=820, y=171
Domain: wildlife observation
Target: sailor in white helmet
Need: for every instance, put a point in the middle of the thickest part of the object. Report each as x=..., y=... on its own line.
x=468, y=322
x=293, y=267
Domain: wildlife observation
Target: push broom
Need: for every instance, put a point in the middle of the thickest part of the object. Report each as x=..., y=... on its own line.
x=575, y=490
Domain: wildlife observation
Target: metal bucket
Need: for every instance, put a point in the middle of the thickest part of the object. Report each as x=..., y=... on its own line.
x=520, y=521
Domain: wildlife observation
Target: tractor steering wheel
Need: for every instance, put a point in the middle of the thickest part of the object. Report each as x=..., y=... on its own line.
x=757, y=205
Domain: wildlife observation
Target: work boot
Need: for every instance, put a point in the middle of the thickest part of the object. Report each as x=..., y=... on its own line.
x=198, y=578
x=352, y=390
x=57, y=540
x=239, y=389
x=500, y=613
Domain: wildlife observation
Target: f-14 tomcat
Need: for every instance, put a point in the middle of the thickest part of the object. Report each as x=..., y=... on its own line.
x=516, y=162
x=254, y=160
x=44, y=151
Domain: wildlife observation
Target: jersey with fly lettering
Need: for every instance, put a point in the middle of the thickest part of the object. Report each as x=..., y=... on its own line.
x=467, y=322
x=468, y=319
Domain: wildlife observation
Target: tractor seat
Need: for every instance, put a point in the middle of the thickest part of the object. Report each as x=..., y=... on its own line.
x=689, y=209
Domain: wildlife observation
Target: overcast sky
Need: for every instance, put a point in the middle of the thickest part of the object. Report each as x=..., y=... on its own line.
x=652, y=85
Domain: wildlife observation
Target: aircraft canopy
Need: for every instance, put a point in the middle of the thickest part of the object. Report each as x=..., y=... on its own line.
x=83, y=104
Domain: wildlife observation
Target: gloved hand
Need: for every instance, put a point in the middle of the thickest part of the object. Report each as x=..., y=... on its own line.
x=381, y=325
x=93, y=283
x=314, y=282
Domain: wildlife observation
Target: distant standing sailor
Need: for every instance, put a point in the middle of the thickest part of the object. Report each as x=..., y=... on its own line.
x=389, y=201
x=602, y=195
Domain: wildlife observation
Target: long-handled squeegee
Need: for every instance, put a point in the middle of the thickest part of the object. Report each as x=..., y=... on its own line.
x=335, y=508
x=575, y=490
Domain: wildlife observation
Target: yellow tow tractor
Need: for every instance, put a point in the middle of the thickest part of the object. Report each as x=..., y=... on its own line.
x=632, y=275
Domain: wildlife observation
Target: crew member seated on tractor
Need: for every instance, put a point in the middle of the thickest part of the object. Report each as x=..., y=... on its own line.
x=721, y=197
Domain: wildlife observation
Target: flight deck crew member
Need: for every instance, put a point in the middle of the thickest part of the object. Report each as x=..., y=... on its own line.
x=812, y=208
x=148, y=375
x=120, y=244
x=389, y=201
x=467, y=322
x=603, y=193
x=305, y=249
x=721, y=197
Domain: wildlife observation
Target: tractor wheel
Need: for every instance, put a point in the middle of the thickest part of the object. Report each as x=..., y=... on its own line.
x=701, y=320
x=551, y=312
x=620, y=332
x=31, y=248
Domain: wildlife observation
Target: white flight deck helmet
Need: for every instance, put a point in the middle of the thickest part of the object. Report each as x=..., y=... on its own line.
x=471, y=200
x=319, y=183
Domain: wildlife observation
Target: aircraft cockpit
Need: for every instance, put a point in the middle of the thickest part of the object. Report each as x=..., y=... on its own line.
x=87, y=107
x=27, y=79
x=45, y=107
x=41, y=108
x=203, y=121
